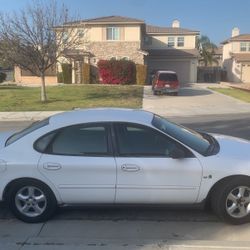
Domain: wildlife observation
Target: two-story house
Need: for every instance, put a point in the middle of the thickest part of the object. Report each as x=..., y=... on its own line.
x=236, y=57
x=168, y=48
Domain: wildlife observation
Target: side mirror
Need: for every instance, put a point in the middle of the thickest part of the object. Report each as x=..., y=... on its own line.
x=177, y=153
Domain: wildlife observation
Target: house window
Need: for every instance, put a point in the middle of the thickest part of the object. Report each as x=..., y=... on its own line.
x=65, y=37
x=126, y=58
x=113, y=58
x=243, y=46
x=81, y=33
x=113, y=33
x=171, y=41
x=180, y=41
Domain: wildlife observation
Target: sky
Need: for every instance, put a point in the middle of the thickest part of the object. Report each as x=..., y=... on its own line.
x=214, y=18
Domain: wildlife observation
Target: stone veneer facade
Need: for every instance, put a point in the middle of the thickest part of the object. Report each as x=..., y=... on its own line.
x=119, y=49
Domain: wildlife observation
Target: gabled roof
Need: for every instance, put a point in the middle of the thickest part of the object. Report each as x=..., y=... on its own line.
x=150, y=29
x=107, y=20
x=239, y=38
x=174, y=53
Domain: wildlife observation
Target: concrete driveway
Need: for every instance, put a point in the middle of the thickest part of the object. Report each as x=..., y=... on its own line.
x=195, y=99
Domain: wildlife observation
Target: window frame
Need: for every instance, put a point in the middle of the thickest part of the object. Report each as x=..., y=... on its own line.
x=113, y=35
x=243, y=45
x=181, y=42
x=168, y=44
x=58, y=131
x=115, y=140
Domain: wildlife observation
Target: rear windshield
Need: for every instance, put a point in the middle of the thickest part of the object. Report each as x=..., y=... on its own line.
x=34, y=126
x=167, y=77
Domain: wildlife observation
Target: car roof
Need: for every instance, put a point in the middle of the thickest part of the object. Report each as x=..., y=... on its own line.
x=101, y=115
x=166, y=71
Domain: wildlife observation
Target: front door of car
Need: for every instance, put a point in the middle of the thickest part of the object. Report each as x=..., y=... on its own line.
x=146, y=173
x=79, y=162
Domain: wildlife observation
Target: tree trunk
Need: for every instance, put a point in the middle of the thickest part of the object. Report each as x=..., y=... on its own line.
x=43, y=89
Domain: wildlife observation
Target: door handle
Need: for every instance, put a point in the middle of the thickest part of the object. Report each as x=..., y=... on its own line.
x=130, y=168
x=52, y=166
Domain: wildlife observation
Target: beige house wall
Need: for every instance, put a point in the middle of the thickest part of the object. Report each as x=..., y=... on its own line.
x=161, y=41
x=32, y=80
x=131, y=33
x=234, y=69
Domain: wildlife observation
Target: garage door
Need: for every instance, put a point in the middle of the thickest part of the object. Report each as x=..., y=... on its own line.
x=182, y=68
x=246, y=73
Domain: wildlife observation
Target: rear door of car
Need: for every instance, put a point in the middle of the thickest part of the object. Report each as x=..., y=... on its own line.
x=145, y=171
x=79, y=162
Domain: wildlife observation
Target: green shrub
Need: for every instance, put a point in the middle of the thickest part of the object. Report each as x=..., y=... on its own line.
x=86, y=73
x=2, y=77
x=141, y=74
x=116, y=71
x=67, y=73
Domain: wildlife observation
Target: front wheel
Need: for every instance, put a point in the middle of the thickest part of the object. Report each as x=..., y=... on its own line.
x=31, y=201
x=231, y=200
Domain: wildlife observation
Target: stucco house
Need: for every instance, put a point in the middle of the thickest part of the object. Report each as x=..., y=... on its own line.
x=117, y=37
x=236, y=57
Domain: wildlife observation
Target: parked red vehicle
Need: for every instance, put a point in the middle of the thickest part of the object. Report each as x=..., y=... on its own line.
x=165, y=82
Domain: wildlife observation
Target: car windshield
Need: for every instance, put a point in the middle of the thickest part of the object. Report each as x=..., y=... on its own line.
x=167, y=77
x=34, y=126
x=191, y=138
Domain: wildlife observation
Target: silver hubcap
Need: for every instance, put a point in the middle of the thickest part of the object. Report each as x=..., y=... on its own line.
x=30, y=201
x=238, y=202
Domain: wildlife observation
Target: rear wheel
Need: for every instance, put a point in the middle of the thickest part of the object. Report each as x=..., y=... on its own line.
x=31, y=201
x=231, y=200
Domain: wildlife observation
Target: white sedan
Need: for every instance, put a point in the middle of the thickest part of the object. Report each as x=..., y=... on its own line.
x=121, y=156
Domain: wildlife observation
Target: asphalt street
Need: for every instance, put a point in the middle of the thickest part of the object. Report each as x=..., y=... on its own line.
x=140, y=228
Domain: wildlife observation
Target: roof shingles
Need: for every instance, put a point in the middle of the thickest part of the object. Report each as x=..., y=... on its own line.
x=239, y=38
x=168, y=30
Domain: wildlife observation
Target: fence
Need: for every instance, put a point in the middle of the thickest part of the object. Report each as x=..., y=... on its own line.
x=211, y=74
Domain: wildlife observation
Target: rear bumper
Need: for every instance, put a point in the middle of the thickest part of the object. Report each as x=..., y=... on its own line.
x=167, y=90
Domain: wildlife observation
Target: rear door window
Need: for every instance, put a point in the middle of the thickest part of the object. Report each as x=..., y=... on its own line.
x=168, y=77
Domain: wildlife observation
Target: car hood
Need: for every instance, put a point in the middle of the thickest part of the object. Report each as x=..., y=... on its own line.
x=233, y=146
x=4, y=136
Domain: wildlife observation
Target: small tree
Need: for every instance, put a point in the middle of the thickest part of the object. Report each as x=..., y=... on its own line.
x=33, y=40
x=206, y=50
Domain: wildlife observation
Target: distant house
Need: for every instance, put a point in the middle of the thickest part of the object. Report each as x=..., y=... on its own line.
x=236, y=57
x=116, y=37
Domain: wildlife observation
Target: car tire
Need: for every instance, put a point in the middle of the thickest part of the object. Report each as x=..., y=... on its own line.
x=31, y=201
x=175, y=94
x=231, y=200
x=155, y=92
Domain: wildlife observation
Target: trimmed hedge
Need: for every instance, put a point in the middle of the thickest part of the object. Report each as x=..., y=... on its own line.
x=141, y=74
x=2, y=77
x=117, y=71
x=67, y=73
x=86, y=73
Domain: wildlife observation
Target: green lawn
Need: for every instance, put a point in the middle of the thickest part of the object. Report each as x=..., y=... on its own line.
x=236, y=93
x=13, y=98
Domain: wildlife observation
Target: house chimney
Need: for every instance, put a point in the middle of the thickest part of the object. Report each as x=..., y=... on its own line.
x=235, y=32
x=176, y=24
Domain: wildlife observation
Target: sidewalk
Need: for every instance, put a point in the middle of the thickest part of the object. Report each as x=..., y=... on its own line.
x=26, y=116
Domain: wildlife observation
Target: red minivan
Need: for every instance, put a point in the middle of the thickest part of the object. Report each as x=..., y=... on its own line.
x=165, y=82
